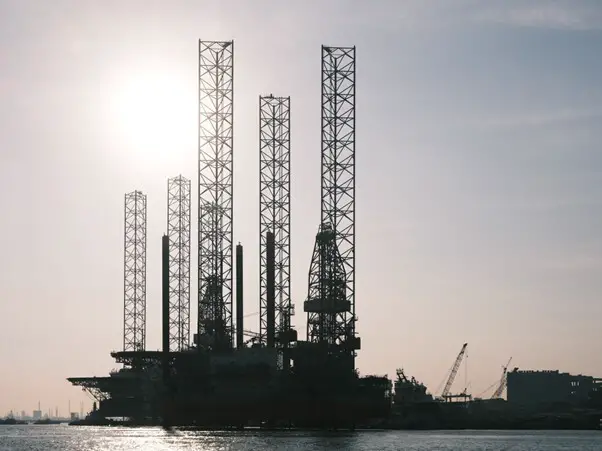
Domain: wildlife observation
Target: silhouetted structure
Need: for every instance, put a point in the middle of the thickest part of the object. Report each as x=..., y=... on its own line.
x=330, y=305
x=239, y=297
x=165, y=298
x=216, y=82
x=277, y=380
x=546, y=388
x=178, y=232
x=274, y=379
x=270, y=289
x=134, y=305
x=274, y=215
x=446, y=395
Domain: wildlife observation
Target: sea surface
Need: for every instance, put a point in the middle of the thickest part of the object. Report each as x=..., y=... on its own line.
x=70, y=438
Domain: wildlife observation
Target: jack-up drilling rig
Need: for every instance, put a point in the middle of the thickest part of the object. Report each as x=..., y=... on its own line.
x=270, y=378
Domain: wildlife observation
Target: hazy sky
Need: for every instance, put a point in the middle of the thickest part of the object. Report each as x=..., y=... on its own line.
x=479, y=174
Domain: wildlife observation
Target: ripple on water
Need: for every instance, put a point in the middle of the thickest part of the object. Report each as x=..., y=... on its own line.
x=66, y=438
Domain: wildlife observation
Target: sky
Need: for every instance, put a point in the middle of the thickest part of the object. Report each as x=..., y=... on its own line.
x=479, y=175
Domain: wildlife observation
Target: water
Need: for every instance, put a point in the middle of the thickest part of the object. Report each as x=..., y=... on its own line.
x=68, y=438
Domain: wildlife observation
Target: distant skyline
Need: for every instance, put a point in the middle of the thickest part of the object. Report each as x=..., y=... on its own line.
x=53, y=413
x=479, y=175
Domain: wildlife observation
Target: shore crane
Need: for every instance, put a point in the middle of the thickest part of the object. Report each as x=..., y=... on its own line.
x=503, y=381
x=454, y=371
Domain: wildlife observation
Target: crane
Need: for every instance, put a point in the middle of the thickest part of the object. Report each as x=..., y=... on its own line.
x=502, y=384
x=454, y=371
x=253, y=337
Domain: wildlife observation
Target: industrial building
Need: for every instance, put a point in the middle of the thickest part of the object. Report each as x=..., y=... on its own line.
x=546, y=388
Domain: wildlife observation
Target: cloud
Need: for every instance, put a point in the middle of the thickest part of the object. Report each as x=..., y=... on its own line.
x=561, y=14
x=552, y=119
x=396, y=15
x=537, y=118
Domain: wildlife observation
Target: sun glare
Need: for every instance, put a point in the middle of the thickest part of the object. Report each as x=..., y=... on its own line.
x=155, y=115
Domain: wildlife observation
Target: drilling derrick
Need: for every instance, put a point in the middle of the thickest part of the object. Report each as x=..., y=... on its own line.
x=331, y=303
x=274, y=215
x=134, y=306
x=178, y=232
x=326, y=294
x=216, y=64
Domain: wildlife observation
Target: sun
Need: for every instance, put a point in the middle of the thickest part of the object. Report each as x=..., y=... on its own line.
x=154, y=115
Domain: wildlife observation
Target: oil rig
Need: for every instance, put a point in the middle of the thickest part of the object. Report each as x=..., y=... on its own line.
x=227, y=375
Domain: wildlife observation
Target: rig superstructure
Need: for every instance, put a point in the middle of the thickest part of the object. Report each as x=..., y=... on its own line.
x=230, y=376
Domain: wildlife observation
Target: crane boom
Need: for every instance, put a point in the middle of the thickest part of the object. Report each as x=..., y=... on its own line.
x=454, y=371
x=502, y=384
x=250, y=333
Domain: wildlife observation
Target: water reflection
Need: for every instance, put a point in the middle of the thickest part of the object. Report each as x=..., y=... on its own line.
x=66, y=438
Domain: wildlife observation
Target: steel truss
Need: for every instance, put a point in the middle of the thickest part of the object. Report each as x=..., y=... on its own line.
x=98, y=388
x=274, y=209
x=326, y=293
x=216, y=77
x=178, y=231
x=134, y=306
x=335, y=243
x=143, y=360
